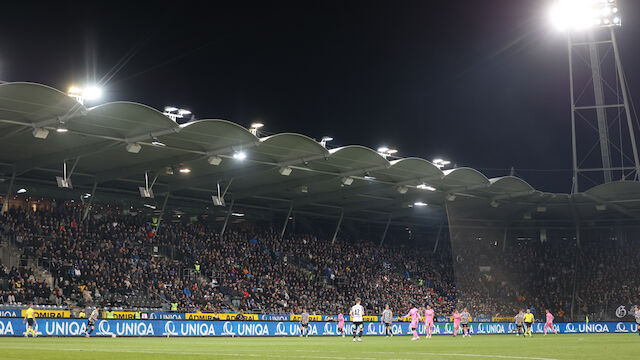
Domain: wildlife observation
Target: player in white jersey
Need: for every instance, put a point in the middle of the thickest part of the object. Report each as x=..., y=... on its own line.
x=357, y=317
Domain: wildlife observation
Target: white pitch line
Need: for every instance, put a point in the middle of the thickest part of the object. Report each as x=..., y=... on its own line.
x=142, y=351
x=445, y=354
x=468, y=355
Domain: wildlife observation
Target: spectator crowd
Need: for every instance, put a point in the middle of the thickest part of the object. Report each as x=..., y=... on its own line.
x=117, y=257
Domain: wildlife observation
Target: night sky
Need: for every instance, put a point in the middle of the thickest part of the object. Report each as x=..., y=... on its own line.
x=483, y=83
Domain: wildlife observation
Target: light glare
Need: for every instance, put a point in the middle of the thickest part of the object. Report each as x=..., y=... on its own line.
x=583, y=14
x=239, y=155
x=92, y=93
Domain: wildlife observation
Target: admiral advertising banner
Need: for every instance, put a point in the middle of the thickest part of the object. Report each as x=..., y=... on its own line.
x=49, y=313
x=76, y=327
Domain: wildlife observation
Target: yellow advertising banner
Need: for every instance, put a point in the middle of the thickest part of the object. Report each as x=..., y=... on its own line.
x=50, y=313
x=370, y=318
x=126, y=315
x=209, y=316
x=311, y=317
x=502, y=319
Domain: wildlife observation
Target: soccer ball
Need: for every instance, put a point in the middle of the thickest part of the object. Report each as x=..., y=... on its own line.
x=113, y=335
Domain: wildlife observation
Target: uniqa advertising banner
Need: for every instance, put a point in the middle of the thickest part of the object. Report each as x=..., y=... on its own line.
x=76, y=327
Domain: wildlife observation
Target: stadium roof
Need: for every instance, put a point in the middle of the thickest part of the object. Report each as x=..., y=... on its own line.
x=94, y=148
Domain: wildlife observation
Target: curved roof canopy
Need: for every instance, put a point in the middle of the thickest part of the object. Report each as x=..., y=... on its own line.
x=114, y=145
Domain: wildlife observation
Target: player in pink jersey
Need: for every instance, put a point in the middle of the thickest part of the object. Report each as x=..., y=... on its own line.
x=428, y=320
x=456, y=322
x=415, y=320
x=549, y=323
x=341, y=324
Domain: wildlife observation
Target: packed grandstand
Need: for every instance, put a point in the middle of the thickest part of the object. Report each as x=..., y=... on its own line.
x=117, y=258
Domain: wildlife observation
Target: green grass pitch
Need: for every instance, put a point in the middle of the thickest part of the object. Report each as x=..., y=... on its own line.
x=504, y=347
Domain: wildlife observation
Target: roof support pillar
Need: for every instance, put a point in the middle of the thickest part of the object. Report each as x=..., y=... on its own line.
x=335, y=234
x=88, y=208
x=164, y=206
x=286, y=221
x=504, y=238
x=384, y=233
x=5, y=204
x=435, y=246
x=575, y=272
x=226, y=219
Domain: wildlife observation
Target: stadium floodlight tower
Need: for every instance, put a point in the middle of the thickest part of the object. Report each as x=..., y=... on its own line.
x=598, y=90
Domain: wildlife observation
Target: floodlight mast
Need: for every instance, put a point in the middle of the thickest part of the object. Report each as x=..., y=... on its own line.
x=596, y=21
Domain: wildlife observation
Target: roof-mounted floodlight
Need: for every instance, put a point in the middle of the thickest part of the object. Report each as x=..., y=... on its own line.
x=325, y=140
x=157, y=142
x=386, y=152
x=239, y=155
x=420, y=203
x=440, y=163
x=90, y=92
x=175, y=113
x=254, y=128
x=426, y=187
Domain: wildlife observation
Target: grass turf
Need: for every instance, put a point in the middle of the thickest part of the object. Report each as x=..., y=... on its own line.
x=575, y=346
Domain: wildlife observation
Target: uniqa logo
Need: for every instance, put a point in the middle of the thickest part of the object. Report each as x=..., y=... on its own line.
x=227, y=329
x=6, y=328
x=371, y=329
x=104, y=328
x=570, y=328
x=621, y=311
x=170, y=328
x=327, y=329
x=621, y=328
x=280, y=329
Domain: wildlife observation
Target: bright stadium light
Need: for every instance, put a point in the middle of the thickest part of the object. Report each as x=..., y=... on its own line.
x=254, y=128
x=584, y=14
x=386, y=152
x=420, y=203
x=21, y=191
x=90, y=92
x=157, y=142
x=426, y=187
x=239, y=155
x=185, y=170
x=175, y=113
x=440, y=163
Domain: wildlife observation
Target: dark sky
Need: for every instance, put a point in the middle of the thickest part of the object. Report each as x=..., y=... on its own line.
x=483, y=83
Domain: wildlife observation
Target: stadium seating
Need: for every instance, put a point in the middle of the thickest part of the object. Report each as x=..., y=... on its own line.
x=117, y=259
